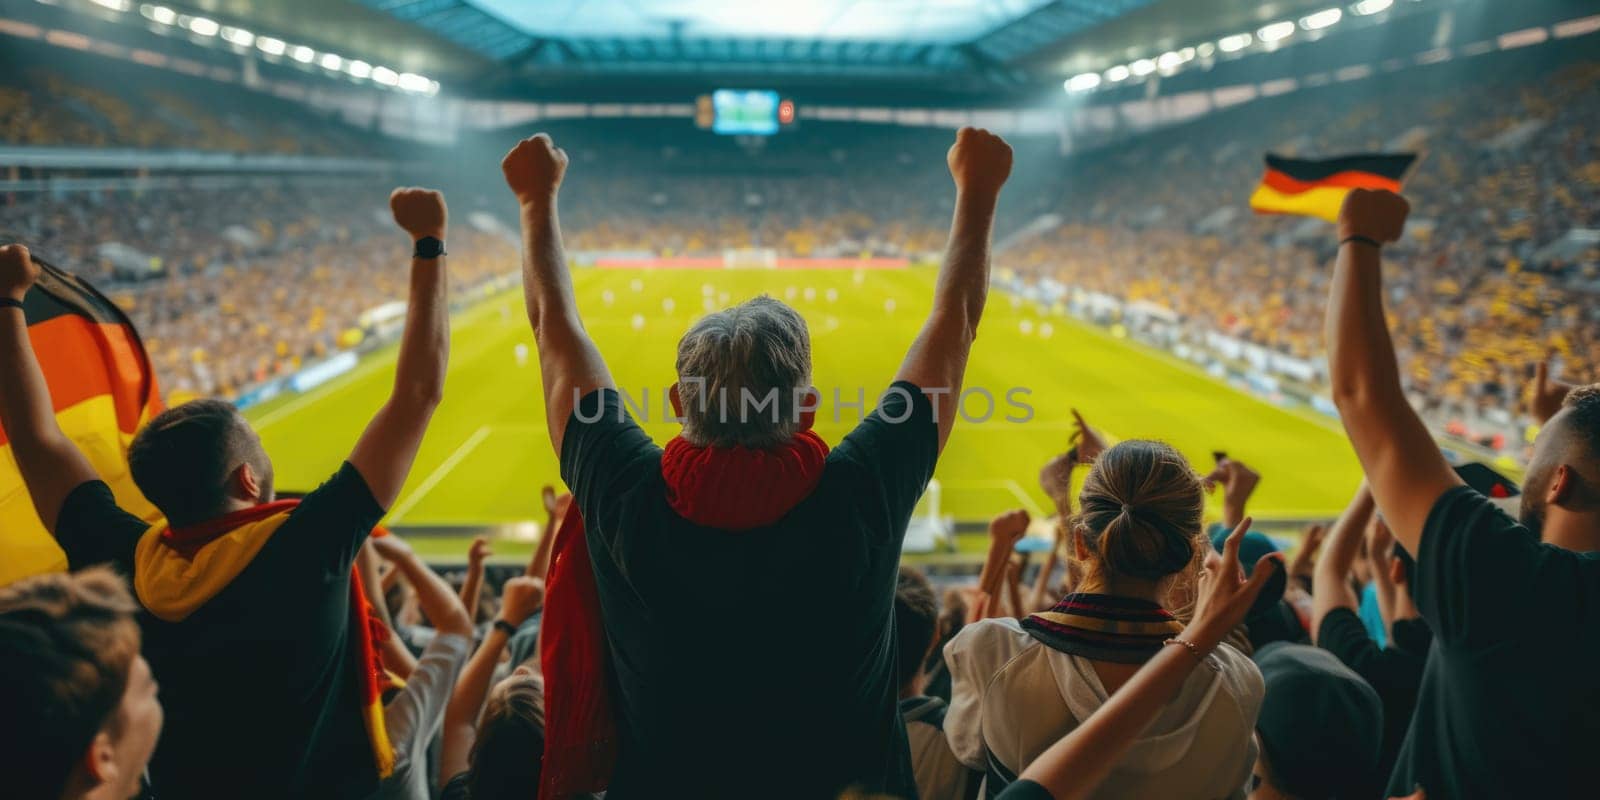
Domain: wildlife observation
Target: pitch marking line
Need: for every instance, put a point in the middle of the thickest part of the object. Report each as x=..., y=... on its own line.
x=367, y=366
x=999, y=483
x=439, y=474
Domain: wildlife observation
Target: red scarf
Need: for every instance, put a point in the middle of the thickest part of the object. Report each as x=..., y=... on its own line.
x=730, y=489
x=365, y=625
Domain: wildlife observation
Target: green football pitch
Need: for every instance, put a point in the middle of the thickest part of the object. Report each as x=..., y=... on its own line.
x=487, y=452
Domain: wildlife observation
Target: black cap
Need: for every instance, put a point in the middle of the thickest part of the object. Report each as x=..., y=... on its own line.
x=1320, y=723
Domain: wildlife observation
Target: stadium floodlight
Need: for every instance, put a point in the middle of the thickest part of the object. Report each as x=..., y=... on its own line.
x=303, y=54
x=433, y=88
x=1366, y=7
x=385, y=76
x=1205, y=50
x=412, y=82
x=1234, y=43
x=331, y=61
x=1118, y=73
x=159, y=14
x=1142, y=67
x=358, y=69
x=238, y=36
x=1275, y=32
x=204, y=26
x=271, y=46
x=1082, y=82
x=115, y=5
x=1169, y=61
x=1325, y=18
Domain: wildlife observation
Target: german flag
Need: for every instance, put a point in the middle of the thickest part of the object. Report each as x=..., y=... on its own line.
x=103, y=390
x=1317, y=188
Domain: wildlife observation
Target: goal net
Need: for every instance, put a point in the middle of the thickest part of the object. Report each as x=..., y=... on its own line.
x=750, y=258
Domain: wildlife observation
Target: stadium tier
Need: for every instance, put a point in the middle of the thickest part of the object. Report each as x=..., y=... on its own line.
x=1137, y=399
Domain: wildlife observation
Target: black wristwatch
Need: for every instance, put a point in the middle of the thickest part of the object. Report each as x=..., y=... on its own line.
x=500, y=624
x=429, y=247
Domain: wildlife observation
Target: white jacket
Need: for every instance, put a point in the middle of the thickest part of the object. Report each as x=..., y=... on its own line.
x=1013, y=696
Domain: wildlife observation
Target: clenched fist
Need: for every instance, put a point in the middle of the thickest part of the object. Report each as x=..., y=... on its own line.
x=17, y=271
x=420, y=212
x=1374, y=213
x=534, y=169
x=520, y=597
x=979, y=161
x=1008, y=528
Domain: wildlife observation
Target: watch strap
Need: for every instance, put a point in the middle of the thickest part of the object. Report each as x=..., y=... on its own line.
x=11, y=302
x=429, y=247
x=505, y=627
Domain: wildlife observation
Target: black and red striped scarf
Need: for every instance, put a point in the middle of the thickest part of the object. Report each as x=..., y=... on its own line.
x=727, y=488
x=1103, y=627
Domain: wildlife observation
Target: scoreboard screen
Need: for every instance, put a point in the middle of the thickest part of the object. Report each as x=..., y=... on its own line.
x=748, y=112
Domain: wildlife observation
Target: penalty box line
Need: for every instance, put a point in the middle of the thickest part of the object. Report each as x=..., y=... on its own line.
x=439, y=473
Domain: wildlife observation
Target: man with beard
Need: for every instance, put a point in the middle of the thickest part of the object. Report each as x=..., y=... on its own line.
x=1509, y=706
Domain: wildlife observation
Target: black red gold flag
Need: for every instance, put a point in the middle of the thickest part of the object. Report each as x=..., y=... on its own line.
x=1316, y=188
x=103, y=390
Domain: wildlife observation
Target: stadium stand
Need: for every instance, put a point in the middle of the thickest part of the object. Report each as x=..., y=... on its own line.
x=726, y=614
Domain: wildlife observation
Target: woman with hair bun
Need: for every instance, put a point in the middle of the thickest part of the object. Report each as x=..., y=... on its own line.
x=1018, y=686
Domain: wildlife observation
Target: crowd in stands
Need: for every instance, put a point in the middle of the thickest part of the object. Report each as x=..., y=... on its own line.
x=229, y=288
x=1491, y=288
x=1510, y=166
x=728, y=617
x=90, y=101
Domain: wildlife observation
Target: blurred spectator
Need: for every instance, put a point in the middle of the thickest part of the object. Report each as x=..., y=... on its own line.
x=81, y=715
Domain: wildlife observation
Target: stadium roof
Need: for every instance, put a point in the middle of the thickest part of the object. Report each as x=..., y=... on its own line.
x=915, y=39
x=951, y=47
x=884, y=52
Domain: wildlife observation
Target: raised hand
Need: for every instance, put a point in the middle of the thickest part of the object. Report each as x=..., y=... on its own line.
x=534, y=169
x=1378, y=214
x=17, y=271
x=419, y=212
x=555, y=505
x=979, y=161
x=1008, y=528
x=1547, y=394
x=479, y=552
x=520, y=597
x=1305, y=558
x=391, y=547
x=1085, y=440
x=1225, y=597
x=1238, y=483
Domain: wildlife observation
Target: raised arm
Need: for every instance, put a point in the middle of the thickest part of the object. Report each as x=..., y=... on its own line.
x=555, y=508
x=521, y=597
x=472, y=585
x=1005, y=531
x=1401, y=461
x=50, y=463
x=980, y=162
x=384, y=453
x=437, y=600
x=568, y=359
x=1330, y=582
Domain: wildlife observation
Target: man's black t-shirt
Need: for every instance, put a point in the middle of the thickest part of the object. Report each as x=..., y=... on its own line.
x=1394, y=672
x=760, y=658
x=260, y=684
x=1509, y=705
